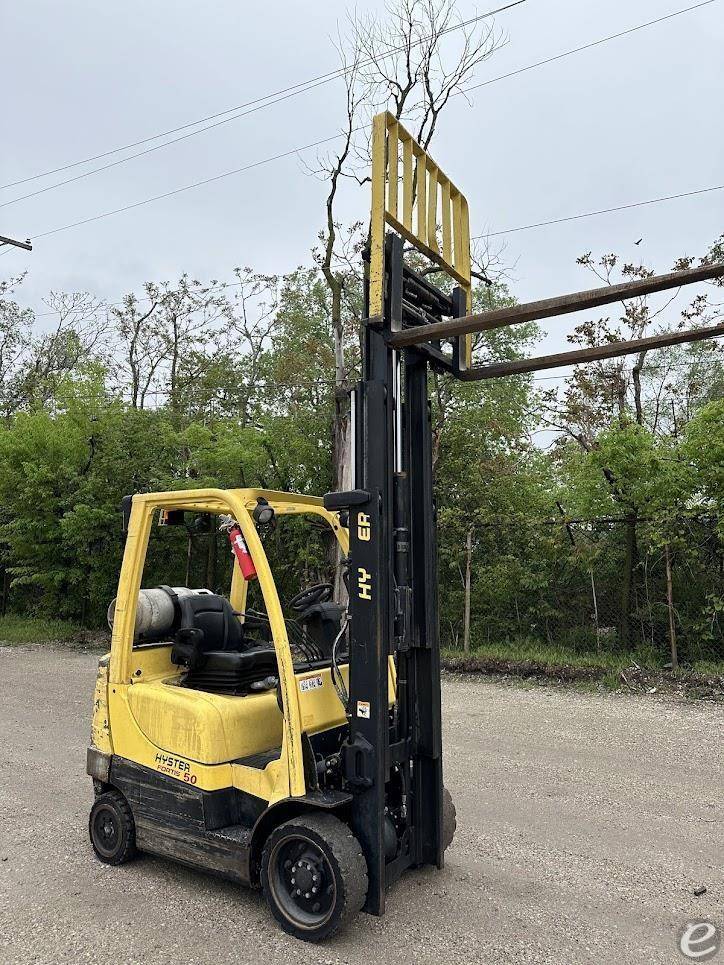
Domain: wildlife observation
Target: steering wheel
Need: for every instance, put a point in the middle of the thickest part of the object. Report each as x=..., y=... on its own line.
x=319, y=593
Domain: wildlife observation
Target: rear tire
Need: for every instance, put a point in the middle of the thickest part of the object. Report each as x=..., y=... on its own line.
x=112, y=829
x=449, y=819
x=314, y=875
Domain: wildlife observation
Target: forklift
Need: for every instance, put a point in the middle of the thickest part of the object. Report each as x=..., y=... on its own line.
x=302, y=753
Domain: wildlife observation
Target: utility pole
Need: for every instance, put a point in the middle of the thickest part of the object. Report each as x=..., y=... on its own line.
x=17, y=244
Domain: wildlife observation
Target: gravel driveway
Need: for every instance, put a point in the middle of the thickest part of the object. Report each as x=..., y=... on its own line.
x=584, y=825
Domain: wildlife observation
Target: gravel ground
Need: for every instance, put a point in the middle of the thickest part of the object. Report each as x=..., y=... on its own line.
x=584, y=825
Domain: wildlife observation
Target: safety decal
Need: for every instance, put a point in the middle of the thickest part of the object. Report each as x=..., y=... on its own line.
x=363, y=709
x=311, y=683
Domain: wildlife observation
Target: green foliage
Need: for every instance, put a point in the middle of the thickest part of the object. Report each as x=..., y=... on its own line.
x=250, y=401
x=703, y=448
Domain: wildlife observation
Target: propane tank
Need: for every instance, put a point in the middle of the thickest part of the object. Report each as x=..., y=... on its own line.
x=155, y=611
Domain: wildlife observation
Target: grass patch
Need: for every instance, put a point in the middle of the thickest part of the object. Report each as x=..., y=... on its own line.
x=709, y=668
x=20, y=630
x=530, y=651
x=544, y=655
x=638, y=672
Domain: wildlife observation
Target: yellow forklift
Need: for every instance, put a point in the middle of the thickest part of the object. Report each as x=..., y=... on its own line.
x=216, y=738
x=302, y=753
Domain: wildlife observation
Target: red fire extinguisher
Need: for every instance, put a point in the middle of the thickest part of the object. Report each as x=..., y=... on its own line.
x=240, y=549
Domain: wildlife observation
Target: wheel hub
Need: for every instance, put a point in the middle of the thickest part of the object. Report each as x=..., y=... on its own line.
x=306, y=878
x=303, y=884
x=106, y=830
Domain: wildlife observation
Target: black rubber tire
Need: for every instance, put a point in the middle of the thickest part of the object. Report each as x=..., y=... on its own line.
x=118, y=844
x=344, y=859
x=449, y=819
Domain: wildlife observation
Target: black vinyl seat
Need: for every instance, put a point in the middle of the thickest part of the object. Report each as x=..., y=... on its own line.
x=210, y=642
x=226, y=672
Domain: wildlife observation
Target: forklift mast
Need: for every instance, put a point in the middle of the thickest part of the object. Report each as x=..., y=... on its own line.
x=393, y=598
x=392, y=761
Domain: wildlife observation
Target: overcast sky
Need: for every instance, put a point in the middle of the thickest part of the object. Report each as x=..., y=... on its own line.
x=635, y=118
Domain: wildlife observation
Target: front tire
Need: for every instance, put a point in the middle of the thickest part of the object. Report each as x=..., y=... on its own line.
x=314, y=875
x=112, y=828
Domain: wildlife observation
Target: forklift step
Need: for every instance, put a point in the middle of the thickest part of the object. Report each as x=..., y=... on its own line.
x=234, y=835
x=261, y=760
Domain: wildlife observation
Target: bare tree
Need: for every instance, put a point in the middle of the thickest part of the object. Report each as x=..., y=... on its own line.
x=187, y=313
x=16, y=325
x=157, y=335
x=418, y=56
x=411, y=61
x=250, y=316
x=140, y=345
x=646, y=387
x=72, y=341
x=33, y=361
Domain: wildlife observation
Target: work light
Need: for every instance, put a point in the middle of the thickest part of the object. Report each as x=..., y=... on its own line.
x=263, y=513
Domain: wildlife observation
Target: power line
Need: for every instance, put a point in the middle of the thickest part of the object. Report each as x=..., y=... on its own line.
x=298, y=150
x=268, y=100
x=356, y=130
x=333, y=137
x=189, y=187
x=594, y=43
x=154, y=137
x=157, y=147
x=594, y=214
x=250, y=107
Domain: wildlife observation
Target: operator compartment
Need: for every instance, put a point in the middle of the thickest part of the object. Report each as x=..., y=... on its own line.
x=204, y=675
x=208, y=646
x=221, y=650
x=205, y=678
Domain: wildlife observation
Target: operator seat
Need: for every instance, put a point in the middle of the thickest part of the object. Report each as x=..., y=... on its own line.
x=210, y=642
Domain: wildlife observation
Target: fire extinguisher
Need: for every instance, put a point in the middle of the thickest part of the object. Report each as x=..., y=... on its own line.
x=239, y=548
